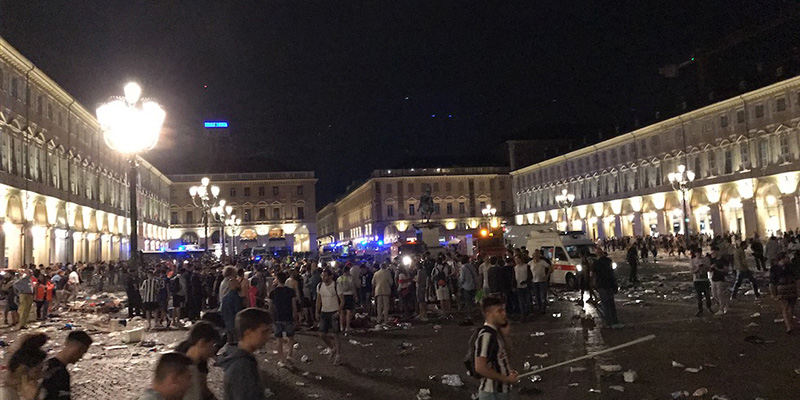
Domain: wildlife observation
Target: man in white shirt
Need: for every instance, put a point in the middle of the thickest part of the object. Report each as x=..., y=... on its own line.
x=74, y=282
x=540, y=269
x=328, y=305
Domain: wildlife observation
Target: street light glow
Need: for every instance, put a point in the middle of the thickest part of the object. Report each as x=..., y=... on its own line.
x=131, y=125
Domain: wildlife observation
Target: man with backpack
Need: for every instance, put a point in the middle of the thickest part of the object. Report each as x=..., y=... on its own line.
x=328, y=306
x=441, y=276
x=488, y=356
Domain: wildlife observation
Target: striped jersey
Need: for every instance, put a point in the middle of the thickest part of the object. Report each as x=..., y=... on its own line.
x=149, y=289
x=490, y=345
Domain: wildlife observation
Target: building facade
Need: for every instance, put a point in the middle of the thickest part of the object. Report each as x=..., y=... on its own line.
x=277, y=209
x=744, y=152
x=63, y=194
x=385, y=208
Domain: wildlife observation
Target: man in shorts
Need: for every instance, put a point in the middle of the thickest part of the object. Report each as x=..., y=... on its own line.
x=328, y=306
x=149, y=291
x=284, y=311
x=346, y=287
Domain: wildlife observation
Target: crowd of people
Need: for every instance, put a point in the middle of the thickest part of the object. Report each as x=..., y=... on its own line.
x=235, y=307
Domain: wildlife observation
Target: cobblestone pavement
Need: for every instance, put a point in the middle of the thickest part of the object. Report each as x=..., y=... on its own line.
x=376, y=367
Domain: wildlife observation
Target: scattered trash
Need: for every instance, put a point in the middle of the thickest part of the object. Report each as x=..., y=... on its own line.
x=115, y=347
x=406, y=345
x=630, y=376
x=749, y=292
x=693, y=370
x=452, y=380
x=354, y=342
x=797, y=371
x=424, y=394
x=557, y=315
x=755, y=315
x=617, y=388
x=594, y=391
x=305, y=359
x=526, y=366
x=437, y=327
x=700, y=392
x=326, y=352
x=536, y=378
x=757, y=340
x=537, y=334
x=133, y=335
x=720, y=397
x=432, y=377
x=778, y=320
x=298, y=383
x=542, y=355
x=577, y=369
x=678, y=365
x=611, y=368
x=752, y=325
x=574, y=384
x=680, y=395
x=296, y=346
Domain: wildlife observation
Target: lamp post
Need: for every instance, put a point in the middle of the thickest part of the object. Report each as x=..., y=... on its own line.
x=564, y=201
x=682, y=180
x=206, y=197
x=489, y=212
x=130, y=126
x=221, y=214
x=233, y=223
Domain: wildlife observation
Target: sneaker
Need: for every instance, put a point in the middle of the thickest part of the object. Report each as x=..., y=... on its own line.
x=337, y=361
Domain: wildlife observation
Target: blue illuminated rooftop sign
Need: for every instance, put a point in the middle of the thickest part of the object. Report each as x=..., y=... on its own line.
x=215, y=124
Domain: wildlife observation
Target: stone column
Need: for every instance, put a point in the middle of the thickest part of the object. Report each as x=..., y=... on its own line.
x=661, y=221
x=3, y=254
x=69, y=246
x=50, y=238
x=716, y=218
x=601, y=229
x=28, y=243
x=750, y=214
x=791, y=216
x=638, y=228
x=617, y=226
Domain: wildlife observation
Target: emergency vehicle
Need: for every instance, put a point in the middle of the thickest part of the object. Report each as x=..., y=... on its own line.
x=564, y=250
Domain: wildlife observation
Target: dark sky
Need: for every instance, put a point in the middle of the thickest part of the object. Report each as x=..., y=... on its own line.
x=342, y=88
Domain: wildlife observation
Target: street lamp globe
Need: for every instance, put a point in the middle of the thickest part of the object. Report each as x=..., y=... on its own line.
x=228, y=209
x=131, y=125
x=215, y=191
x=193, y=191
x=205, y=181
x=690, y=176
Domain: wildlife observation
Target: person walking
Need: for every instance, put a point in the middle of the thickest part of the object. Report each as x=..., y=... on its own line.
x=24, y=288
x=284, y=314
x=492, y=362
x=702, y=286
x=742, y=270
x=328, y=307
x=382, y=287
x=773, y=248
x=758, y=252
x=633, y=261
x=783, y=288
x=607, y=287
x=56, y=384
x=43, y=296
x=200, y=346
x=719, y=271
x=149, y=291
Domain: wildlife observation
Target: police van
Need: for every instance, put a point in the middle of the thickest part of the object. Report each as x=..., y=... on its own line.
x=564, y=250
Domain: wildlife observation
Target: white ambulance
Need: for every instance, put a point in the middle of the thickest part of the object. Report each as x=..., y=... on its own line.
x=564, y=250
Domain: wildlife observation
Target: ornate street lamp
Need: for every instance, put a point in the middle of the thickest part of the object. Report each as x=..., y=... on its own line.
x=220, y=214
x=565, y=201
x=234, y=224
x=489, y=212
x=131, y=126
x=682, y=180
x=206, y=197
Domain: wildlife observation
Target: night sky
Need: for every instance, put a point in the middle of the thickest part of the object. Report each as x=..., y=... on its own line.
x=343, y=88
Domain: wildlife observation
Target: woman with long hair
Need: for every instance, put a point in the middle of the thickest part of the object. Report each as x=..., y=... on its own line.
x=25, y=369
x=200, y=346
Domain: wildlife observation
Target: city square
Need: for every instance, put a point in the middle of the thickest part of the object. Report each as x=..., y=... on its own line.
x=390, y=201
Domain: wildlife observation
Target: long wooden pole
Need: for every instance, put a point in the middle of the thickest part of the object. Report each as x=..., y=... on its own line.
x=591, y=355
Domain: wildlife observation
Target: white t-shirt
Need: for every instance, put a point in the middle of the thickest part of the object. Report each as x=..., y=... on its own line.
x=73, y=278
x=485, y=272
x=521, y=274
x=328, y=296
x=539, y=270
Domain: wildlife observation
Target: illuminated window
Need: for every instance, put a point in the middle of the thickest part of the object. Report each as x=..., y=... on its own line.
x=274, y=190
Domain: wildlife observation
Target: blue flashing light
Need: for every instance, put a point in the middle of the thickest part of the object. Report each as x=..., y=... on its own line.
x=258, y=258
x=380, y=242
x=181, y=248
x=433, y=115
x=215, y=124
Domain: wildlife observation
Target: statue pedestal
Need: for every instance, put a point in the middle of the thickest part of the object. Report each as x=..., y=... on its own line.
x=429, y=233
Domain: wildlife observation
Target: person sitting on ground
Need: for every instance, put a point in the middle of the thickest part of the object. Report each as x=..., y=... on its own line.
x=172, y=378
x=56, y=384
x=242, y=379
x=25, y=369
x=200, y=347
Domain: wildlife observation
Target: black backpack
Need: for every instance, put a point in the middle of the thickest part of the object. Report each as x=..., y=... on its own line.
x=469, y=359
x=441, y=276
